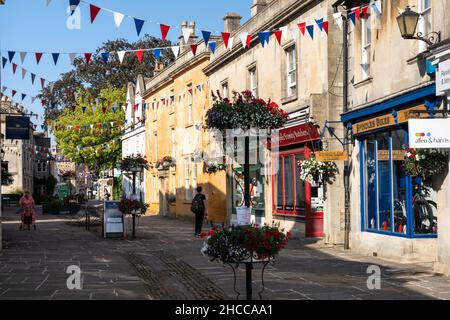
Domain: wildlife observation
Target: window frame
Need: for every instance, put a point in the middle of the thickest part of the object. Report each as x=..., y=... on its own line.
x=291, y=87
x=190, y=106
x=424, y=19
x=366, y=46
x=187, y=179
x=253, y=80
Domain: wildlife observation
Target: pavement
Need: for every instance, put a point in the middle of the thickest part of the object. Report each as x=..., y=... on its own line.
x=164, y=263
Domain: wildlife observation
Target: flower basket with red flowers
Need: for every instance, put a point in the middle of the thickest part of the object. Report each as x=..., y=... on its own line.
x=165, y=163
x=243, y=243
x=131, y=206
x=424, y=163
x=134, y=163
x=244, y=112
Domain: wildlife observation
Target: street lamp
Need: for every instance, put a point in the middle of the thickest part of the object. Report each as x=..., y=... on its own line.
x=407, y=23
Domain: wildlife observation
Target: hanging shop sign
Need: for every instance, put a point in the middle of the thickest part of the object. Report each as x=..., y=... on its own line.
x=429, y=133
x=388, y=120
x=297, y=134
x=443, y=78
x=397, y=155
x=329, y=156
x=113, y=220
x=17, y=128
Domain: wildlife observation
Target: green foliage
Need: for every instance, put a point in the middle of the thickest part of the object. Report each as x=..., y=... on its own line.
x=117, y=188
x=85, y=145
x=425, y=163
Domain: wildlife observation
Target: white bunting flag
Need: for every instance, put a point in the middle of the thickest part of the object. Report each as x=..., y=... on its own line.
x=376, y=6
x=24, y=72
x=22, y=56
x=230, y=43
x=186, y=34
x=118, y=18
x=72, y=57
x=176, y=51
x=33, y=99
x=295, y=32
x=92, y=126
x=243, y=37
x=284, y=31
x=112, y=124
x=338, y=19
x=121, y=55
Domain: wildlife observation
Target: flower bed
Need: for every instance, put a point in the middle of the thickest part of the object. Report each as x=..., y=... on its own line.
x=132, y=163
x=312, y=170
x=234, y=245
x=244, y=112
x=424, y=163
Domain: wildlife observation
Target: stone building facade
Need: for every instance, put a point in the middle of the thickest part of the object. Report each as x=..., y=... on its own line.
x=302, y=75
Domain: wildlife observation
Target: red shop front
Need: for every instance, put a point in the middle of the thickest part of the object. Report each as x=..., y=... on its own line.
x=292, y=197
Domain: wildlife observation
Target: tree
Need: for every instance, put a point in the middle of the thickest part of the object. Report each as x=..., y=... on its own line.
x=99, y=147
x=98, y=75
x=7, y=178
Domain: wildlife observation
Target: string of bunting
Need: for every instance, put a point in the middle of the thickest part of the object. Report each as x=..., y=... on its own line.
x=304, y=28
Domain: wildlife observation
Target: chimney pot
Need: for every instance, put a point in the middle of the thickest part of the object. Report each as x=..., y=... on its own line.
x=232, y=22
x=258, y=6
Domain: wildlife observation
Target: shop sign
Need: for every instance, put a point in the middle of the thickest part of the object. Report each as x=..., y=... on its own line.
x=429, y=133
x=388, y=120
x=328, y=156
x=297, y=134
x=113, y=220
x=443, y=78
x=397, y=155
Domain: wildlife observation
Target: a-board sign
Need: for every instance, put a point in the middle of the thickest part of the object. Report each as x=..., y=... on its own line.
x=113, y=220
x=328, y=156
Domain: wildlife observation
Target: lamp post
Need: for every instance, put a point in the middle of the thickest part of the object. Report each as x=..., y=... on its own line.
x=407, y=23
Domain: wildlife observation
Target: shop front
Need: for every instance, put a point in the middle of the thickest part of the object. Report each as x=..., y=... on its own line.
x=294, y=200
x=394, y=214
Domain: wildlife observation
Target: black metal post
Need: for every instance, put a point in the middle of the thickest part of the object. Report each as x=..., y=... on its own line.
x=247, y=172
x=248, y=279
x=134, y=216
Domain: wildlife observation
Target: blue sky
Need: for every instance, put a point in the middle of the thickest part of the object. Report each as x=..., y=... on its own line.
x=28, y=25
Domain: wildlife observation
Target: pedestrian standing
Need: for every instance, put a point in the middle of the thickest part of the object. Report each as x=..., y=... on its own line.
x=199, y=208
x=28, y=210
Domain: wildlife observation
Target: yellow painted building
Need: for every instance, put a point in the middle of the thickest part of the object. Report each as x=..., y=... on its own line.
x=177, y=99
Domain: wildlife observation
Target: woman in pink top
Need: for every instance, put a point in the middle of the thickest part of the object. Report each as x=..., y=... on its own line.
x=27, y=205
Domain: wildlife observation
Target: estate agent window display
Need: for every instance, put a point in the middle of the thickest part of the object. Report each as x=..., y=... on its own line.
x=387, y=192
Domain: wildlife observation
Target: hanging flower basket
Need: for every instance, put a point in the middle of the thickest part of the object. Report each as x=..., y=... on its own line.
x=424, y=163
x=314, y=171
x=214, y=167
x=134, y=163
x=130, y=206
x=165, y=163
x=244, y=112
x=235, y=245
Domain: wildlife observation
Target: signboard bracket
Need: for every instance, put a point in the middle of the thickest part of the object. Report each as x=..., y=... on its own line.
x=344, y=141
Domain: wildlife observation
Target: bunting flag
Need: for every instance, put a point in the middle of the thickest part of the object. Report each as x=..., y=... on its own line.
x=212, y=46
x=38, y=57
x=105, y=56
x=114, y=108
x=14, y=67
x=88, y=57
x=376, y=6
x=93, y=109
x=73, y=5
x=194, y=48
x=175, y=51
x=4, y=61
x=325, y=26
x=231, y=43
x=33, y=99
x=83, y=109
x=13, y=92
x=157, y=53
x=11, y=55
x=302, y=27
x=264, y=37
x=118, y=18
x=310, y=30
x=93, y=10
x=319, y=23
x=121, y=55
x=278, y=35
x=186, y=34
x=295, y=31
x=23, y=96
x=365, y=12
x=42, y=83
x=352, y=17
x=139, y=54
x=206, y=36
x=55, y=57
x=138, y=23
x=23, y=55
x=24, y=72
x=164, y=31
x=357, y=12
x=226, y=38
x=337, y=17
x=246, y=39
x=72, y=57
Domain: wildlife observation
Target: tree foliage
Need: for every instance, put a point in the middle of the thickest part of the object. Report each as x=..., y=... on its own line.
x=95, y=146
x=98, y=75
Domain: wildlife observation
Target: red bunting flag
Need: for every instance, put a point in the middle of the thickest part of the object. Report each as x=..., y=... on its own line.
x=38, y=57
x=163, y=101
x=164, y=31
x=94, y=10
x=14, y=67
x=42, y=83
x=190, y=90
x=139, y=54
x=98, y=125
x=104, y=109
x=139, y=119
x=118, y=122
x=13, y=92
x=357, y=12
x=325, y=26
x=88, y=57
x=278, y=35
x=194, y=48
x=73, y=108
x=302, y=26
x=365, y=12
x=226, y=38
x=135, y=107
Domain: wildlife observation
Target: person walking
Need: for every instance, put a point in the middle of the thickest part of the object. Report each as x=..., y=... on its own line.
x=28, y=212
x=199, y=208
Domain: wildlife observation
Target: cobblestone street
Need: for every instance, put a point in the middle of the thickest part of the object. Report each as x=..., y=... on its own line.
x=165, y=262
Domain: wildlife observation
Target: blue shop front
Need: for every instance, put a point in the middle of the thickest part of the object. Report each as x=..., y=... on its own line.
x=389, y=214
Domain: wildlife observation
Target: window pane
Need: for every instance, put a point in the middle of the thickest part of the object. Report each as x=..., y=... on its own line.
x=384, y=191
x=371, y=186
x=288, y=183
x=300, y=188
x=279, y=186
x=399, y=181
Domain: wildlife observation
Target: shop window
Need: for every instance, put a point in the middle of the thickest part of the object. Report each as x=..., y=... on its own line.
x=389, y=196
x=289, y=190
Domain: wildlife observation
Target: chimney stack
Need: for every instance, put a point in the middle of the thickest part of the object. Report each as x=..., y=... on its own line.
x=232, y=22
x=258, y=6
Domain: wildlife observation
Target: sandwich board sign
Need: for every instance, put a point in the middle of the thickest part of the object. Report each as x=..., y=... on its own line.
x=113, y=220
